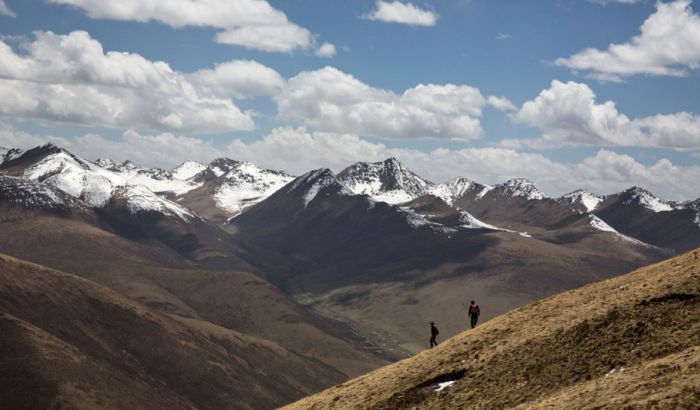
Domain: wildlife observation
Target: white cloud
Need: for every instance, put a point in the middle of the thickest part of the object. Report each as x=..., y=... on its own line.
x=326, y=50
x=70, y=78
x=669, y=44
x=249, y=23
x=403, y=13
x=568, y=114
x=501, y=103
x=333, y=101
x=503, y=36
x=4, y=10
x=298, y=151
x=281, y=39
x=238, y=79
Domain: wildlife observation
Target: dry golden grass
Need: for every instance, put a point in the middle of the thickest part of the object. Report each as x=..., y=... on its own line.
x=556, y=353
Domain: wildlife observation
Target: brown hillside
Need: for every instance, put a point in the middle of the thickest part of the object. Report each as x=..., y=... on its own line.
x=628, y=342
x=70, y=343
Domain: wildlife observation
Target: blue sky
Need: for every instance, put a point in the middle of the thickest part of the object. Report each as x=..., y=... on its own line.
x=616, y=117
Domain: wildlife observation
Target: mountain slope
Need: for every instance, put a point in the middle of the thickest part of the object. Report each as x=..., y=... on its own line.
x=638, y=213
x=68, y=342
x=79, y=241
x=632, y=341
x=385, y=269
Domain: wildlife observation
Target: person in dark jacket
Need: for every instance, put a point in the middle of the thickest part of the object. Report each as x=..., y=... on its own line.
x=433, y=334
x=474, y=313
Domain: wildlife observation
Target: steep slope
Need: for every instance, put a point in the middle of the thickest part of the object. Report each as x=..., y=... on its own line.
x=638, y=213
x=68, y=342
x=387, y=181
x=628, y=342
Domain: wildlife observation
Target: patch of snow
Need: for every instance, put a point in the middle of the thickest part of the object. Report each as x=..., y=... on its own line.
x=442, y=386
x=452, y=189
x=600, y=225
x=140, y=199
x=469, y=221
x=587, y=200
x=187, y=170
x=649, y=201
x=35, y=194
x=697, y=219
x=525, y=234
x=416, y=220
x=484, y=191
x=314, y=181
x=76, y=177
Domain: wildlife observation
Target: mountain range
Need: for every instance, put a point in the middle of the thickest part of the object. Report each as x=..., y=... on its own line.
x=342, y=271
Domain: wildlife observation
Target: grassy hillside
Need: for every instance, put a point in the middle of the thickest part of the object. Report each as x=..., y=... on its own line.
x=70, y=343
x=628, y=342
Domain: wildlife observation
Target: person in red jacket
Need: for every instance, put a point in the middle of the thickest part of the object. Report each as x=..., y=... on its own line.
x=474, y=313
x=433, y=334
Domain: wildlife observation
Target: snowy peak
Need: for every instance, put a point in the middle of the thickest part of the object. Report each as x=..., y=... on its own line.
x=519, y=187
x=644, y=198
x=220, y=166
x=316, y=182
x=246, y=184
x=459, y=188
x=59, y=170
x=581, y=200
x=387, y=181
x=187, y=170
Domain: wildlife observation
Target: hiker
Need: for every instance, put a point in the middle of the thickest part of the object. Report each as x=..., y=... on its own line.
x=474, y=313
x=433, y=334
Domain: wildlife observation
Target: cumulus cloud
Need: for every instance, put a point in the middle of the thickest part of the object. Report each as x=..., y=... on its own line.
x=403, y=13
x=668, y=45
x=238, y=79
x=298, y=150
x=4, y=10
x=70, y=78
x=326, y=50
x=568, y=114
x=333, y=101
x=501, y=103
x=249, y=23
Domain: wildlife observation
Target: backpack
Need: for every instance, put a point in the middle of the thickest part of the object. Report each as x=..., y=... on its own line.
x=437, y=331
x=474, y=309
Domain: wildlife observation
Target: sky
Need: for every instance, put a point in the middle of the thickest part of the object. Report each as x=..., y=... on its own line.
x=593, y=94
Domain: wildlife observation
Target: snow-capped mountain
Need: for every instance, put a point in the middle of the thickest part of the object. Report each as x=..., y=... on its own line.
x=187, y=170
x=519, y=187
x=460, y=188
x=387, y=181
x=317, y=182
x=155, y=179
x=640, y=196
x=34, y=194
x=92, y=184
x=244, y=184
x=581, y=200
